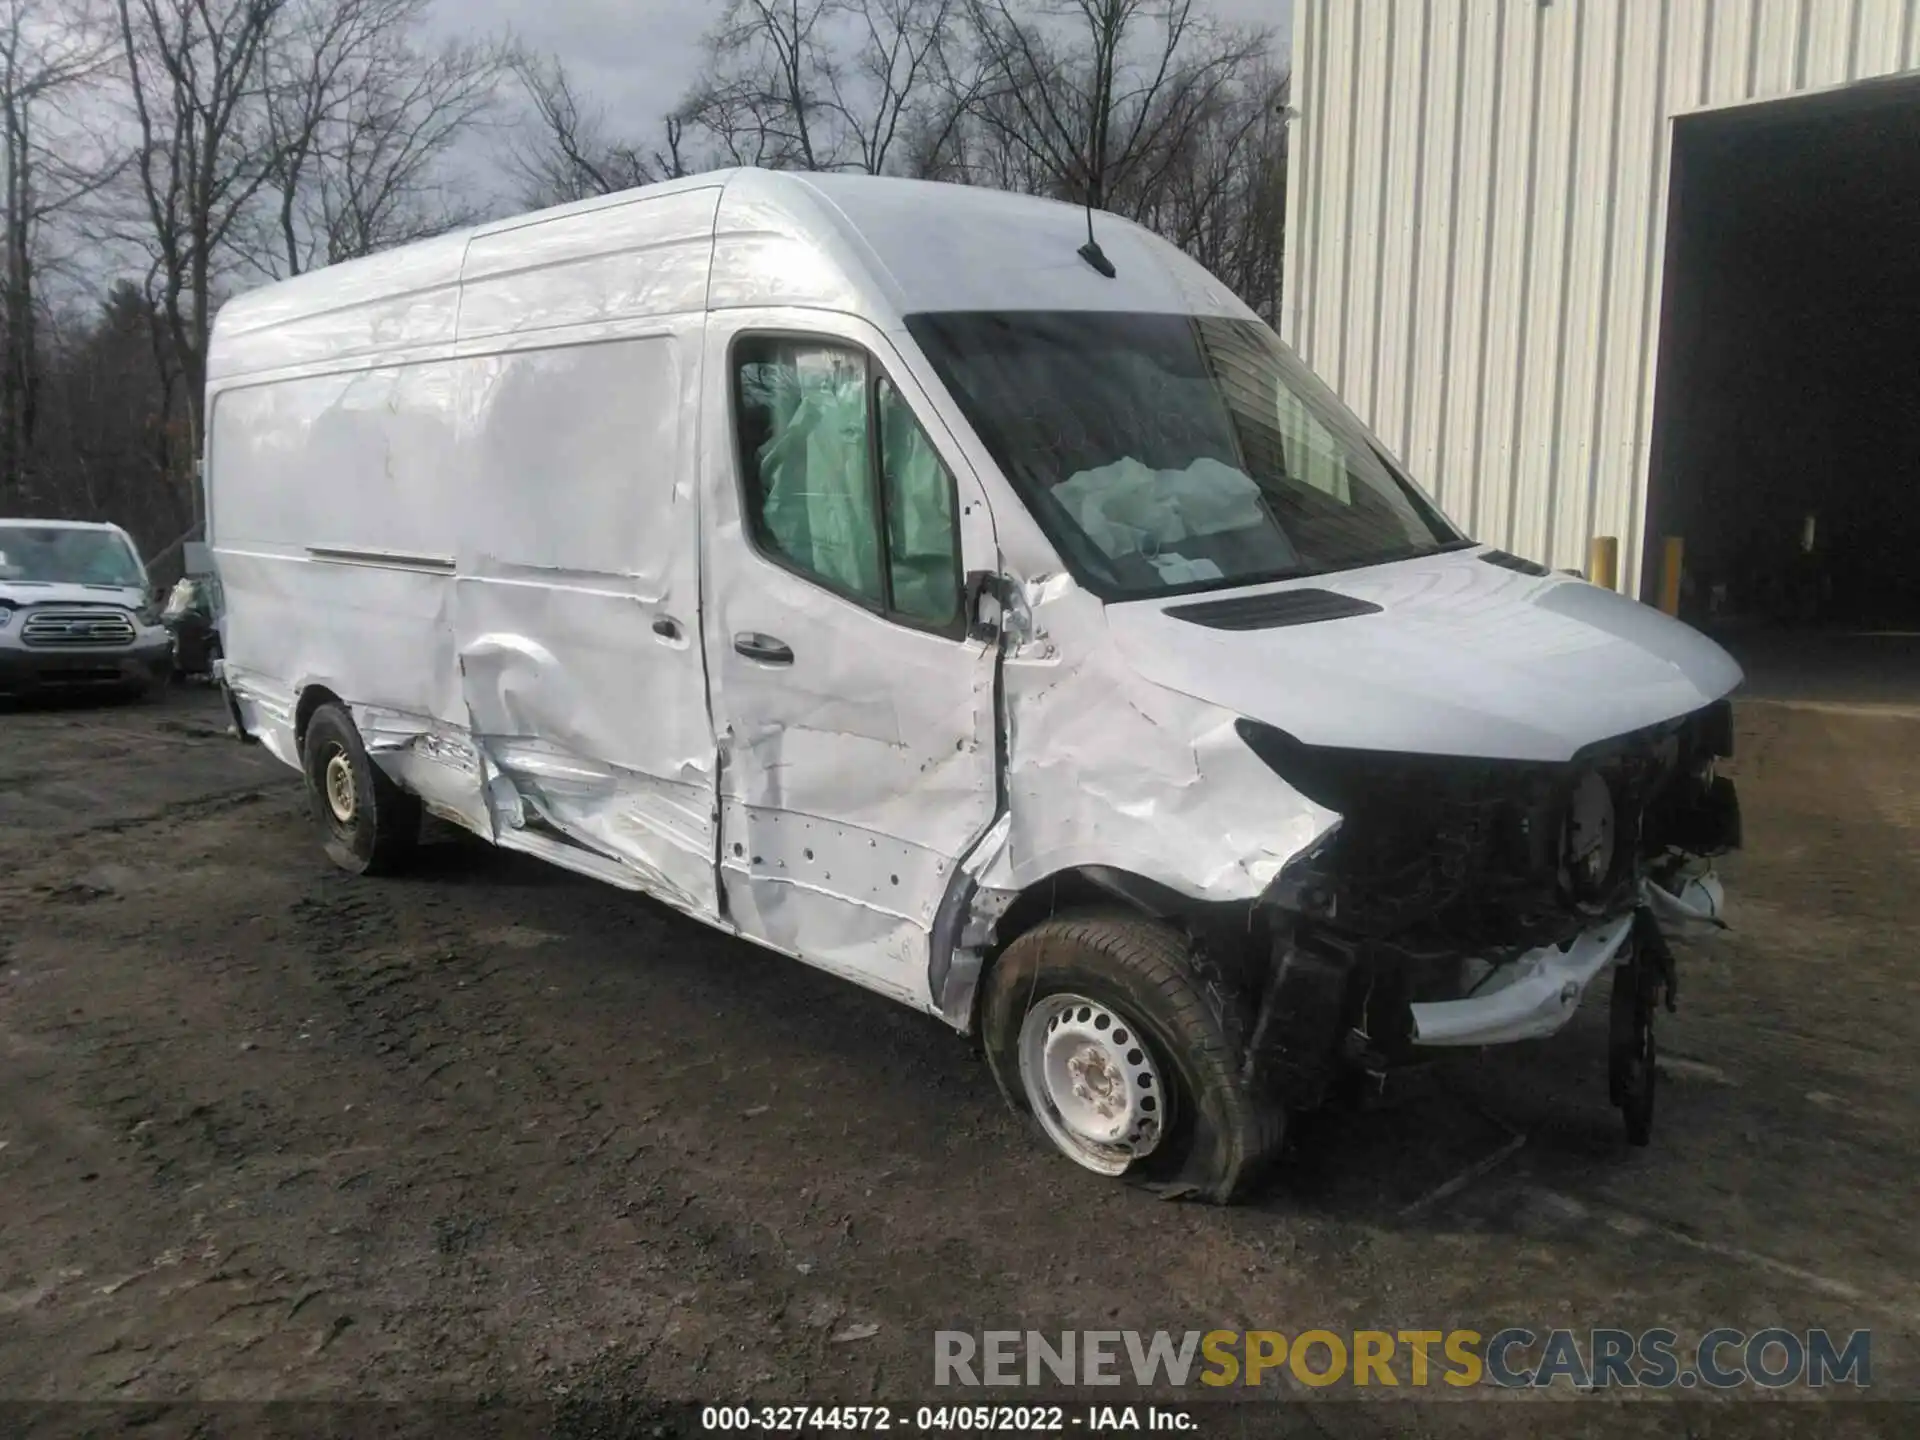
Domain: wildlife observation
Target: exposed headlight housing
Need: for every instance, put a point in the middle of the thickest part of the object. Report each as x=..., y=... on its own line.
x=1589, y=837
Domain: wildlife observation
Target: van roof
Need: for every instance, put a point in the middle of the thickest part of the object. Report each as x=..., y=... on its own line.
x=876, y=245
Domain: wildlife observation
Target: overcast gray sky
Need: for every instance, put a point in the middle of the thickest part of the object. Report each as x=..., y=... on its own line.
x=636, y=57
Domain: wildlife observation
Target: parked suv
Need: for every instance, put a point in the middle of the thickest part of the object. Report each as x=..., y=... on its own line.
x=76, y=611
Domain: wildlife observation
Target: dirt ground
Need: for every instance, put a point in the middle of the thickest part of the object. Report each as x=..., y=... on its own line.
x=490, y=1130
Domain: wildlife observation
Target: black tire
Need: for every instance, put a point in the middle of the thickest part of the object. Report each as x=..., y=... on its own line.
x=1220, y=1139
x=1633, y=1058
x=380, y=827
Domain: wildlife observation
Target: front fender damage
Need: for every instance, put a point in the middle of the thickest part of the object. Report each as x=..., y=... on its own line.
x=1347, y=912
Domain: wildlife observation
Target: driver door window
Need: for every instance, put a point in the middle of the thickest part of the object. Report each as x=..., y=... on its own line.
x=841, y=484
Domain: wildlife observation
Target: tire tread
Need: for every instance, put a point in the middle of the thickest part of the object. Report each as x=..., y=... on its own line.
x=1250, y=1131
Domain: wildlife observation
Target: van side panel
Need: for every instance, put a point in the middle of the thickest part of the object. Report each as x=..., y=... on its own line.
x=577, y=620
x=648, y=257
x=334, y=500
x=402, y=300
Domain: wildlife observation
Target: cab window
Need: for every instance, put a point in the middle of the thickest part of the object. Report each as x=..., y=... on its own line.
x=841, y=483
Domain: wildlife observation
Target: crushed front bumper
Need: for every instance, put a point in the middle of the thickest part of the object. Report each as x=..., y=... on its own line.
x=1537, y=994
x=1532, y=997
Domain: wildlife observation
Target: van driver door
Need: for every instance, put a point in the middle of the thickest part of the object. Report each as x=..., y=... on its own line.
x=855, y=717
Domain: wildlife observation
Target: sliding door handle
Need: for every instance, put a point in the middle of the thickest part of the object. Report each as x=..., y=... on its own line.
x=764, y=648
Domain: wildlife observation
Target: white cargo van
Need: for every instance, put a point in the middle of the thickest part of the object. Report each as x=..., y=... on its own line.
x=890, y=575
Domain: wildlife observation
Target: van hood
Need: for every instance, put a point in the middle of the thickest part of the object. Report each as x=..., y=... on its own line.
x=1463, y=656
x=28, y=592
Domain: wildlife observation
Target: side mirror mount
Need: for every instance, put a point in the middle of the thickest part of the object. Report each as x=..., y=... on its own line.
x=983, y=606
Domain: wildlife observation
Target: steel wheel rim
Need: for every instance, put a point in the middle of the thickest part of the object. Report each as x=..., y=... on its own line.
x=338, y=784
x=1093, y=1082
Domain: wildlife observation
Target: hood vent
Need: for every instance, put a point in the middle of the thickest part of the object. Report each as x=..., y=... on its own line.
x=1513, y=562
x=1270, y=612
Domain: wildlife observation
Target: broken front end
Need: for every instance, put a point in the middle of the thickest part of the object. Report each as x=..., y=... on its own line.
x=1466, y=902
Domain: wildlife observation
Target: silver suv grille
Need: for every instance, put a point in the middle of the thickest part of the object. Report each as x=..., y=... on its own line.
x=66, y=629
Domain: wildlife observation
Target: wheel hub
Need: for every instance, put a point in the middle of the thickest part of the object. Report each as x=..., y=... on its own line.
x=339, y=785
x=1093, y=1083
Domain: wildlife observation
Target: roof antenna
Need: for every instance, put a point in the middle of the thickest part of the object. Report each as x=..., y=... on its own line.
x=1091, y=251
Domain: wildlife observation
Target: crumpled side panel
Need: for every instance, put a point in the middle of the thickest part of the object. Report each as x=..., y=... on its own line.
x=657, y=832
x=436, y=761
x=857, y=752
x=851, y=901
x=1108, y=769
x=266, y=711
x=852, y=780
x=577, y=616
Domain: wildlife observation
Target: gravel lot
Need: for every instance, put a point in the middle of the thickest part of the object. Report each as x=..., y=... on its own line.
x=493, y=1131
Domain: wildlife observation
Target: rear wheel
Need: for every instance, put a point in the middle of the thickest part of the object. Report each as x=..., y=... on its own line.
x=1099, y=1026
x=372, y=825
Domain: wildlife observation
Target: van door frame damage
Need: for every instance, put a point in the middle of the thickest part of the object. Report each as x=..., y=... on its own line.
x=1319, y=1005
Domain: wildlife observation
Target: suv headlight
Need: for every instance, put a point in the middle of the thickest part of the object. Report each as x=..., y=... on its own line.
x=148, y=613
x=6, y=614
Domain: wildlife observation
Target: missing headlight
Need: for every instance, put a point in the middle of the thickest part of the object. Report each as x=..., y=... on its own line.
x=1589, y=844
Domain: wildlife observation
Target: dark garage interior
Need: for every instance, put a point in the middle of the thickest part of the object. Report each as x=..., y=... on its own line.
x=1786, y=447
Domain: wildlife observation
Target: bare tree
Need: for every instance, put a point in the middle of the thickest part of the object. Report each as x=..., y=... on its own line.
x=768, y=97
x=1101, y=97
x=830, y=84
x=1225, y=200
x=196, y=72
x=112, y=440
x=51, y=57
x=274, y=136
x=899, y=84
x=569, y=155
x=361, y=121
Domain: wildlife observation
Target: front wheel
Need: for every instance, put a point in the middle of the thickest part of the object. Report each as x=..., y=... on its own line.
x=372, y=825
x=1099, y=1026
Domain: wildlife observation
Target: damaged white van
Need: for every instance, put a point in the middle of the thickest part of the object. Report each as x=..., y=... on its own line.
x=971, y=598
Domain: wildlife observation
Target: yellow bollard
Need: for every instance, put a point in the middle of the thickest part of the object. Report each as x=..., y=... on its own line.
x=1603, y=561
x=1670, y=563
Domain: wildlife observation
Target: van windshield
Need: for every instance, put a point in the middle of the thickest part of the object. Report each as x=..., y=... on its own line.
x=59, y=555
x=1171, y=453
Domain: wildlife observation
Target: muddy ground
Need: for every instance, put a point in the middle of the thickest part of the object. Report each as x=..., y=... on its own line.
x=493, y=1131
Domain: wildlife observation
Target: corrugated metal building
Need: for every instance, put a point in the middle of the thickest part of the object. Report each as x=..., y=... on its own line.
x=1478, y=228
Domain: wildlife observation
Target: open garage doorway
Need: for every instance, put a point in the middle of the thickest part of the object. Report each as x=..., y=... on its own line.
x=1786, y=446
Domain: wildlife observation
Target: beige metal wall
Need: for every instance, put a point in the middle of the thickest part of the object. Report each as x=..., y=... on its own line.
x=1475, y=220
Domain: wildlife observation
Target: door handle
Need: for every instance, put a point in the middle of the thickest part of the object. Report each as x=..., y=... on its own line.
x=666, y=628
x=764, y=648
